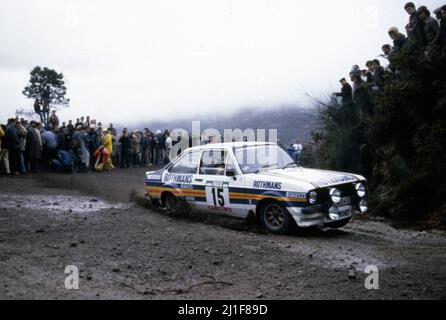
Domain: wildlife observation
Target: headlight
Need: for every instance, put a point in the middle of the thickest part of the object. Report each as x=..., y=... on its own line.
x=313, y=197
x=360, y=190
x=363, y=206
x=333, y=213
x=335, y=195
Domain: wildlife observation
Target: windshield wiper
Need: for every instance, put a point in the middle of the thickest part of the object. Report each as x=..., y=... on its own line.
x=265, y=167
x=289, y=165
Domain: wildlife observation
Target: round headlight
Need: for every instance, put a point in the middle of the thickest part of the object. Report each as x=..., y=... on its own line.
x=313, y=197
x=363, y=206
x=360, y=190
x=335, y=195
x=333, y=213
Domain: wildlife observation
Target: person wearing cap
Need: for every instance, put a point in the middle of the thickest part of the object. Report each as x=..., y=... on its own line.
x=346, y=91
x=431, y=26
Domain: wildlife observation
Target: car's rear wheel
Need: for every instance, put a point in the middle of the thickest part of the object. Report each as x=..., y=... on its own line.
x=170, y=203
x=275, y=218
x=175, y=206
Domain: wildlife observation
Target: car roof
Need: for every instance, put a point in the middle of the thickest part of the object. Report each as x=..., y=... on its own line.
x=231, y=145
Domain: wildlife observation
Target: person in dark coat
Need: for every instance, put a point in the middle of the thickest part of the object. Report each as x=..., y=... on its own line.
x=126, y=147
x=14, y=147
x=442, y=35
x=415, y=27
x=399, y=39
x=431, y=26
x=34, y=147
x=346, y=92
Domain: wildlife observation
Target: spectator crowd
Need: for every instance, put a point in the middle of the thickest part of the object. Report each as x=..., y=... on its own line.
x=79, y=147
x=423, y=32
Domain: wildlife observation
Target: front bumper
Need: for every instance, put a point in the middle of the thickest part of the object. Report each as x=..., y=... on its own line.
x=317, y=216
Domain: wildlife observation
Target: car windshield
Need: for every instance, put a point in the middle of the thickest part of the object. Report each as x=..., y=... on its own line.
x=254, y=159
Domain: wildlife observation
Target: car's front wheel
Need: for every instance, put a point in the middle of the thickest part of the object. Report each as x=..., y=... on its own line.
x=275, y=218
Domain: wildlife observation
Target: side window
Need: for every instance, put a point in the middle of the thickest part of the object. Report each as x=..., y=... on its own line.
x=213, y=162
x=188, y=164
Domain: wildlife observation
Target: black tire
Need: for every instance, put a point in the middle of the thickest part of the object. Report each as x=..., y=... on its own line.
x=170, y=203
x=175, y=206
x=275, y=218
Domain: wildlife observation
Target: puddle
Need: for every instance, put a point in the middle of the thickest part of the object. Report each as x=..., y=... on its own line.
x=57, y=203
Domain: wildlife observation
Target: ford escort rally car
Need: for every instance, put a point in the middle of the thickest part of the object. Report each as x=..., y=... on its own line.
x=260, y=179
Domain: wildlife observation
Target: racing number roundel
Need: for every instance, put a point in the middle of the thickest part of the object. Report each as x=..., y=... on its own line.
x=217, y=195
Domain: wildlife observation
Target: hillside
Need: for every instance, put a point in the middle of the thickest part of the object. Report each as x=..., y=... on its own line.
x=292, y=122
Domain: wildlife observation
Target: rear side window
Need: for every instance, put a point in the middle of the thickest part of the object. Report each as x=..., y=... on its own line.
x=213, y=162
x=188, y=164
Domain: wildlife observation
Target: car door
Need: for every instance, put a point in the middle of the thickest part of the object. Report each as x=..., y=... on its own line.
x=217, y=185
x=180, y=178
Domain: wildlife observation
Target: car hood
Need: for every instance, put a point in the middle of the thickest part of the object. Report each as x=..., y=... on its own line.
x=316, y=178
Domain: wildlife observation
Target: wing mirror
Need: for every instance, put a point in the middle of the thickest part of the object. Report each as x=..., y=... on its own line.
x=231, y=173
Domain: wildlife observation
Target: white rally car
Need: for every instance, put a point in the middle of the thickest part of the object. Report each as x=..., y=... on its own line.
x=260, y=179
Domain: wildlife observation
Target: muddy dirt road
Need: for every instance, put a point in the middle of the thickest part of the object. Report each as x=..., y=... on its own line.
x=126, y=251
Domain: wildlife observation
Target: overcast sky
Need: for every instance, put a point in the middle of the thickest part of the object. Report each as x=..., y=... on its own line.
x=125, y=61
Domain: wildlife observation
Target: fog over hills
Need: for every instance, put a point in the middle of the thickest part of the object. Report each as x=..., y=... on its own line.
x=291, y=122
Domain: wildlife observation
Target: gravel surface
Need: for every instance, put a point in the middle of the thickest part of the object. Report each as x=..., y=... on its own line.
x=124, y=250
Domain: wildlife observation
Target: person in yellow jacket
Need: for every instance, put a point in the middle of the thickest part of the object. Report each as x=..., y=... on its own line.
x=107, y=141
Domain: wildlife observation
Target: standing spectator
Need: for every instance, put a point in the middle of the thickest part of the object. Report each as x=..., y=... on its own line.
x=387, y=51
x=136, y=147
x=4, y=157
x=378, y=73
x=346, y=92
x=107, y=141
x=442, y=36
x=82, y=156
x=34, y=147
x=145, y=144
x=298, y=148
x=54, y=120
x=70, y=127
x=126, y=147
x=87, y=122
x=168, y=145
x=94, y=142
x=415, y=27
x=159, y=145
x=21, y=132
x=437, y=13
x=431, y=26
x=13, y=145
x=111, y=129
x=399, y=39
x=368, y=74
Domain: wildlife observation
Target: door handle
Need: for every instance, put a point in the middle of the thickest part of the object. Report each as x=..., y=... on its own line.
x=199, y=180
